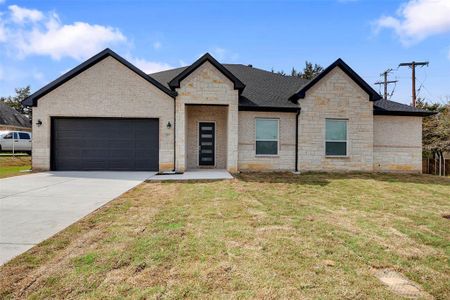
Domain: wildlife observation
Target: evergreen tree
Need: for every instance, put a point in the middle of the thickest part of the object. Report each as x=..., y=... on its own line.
x=16, y=101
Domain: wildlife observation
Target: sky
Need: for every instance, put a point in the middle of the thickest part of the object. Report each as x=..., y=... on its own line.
x=41, y=40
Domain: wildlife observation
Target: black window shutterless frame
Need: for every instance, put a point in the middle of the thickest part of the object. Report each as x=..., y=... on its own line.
x=207, y=141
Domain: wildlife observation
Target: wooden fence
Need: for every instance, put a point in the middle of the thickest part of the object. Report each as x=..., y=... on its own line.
x=431, y=166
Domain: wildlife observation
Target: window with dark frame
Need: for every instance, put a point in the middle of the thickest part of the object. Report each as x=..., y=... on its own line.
x=336, y=137
x=267, y=136
x=24, y=136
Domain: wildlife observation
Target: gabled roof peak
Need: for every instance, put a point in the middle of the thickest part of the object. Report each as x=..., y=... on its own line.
x=175, y=82
x=33, y=98
x=373, y=95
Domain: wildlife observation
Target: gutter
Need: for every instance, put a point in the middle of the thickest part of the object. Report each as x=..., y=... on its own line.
x=383, y=112
x=296, y=139
x=268, y=108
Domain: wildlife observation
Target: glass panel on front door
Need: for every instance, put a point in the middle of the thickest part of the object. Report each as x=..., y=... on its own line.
x=206, y=149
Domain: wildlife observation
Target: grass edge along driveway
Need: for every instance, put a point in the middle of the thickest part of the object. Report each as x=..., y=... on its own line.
x=14, y=165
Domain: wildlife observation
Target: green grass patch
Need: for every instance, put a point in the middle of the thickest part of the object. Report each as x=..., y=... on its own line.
x=14, y=165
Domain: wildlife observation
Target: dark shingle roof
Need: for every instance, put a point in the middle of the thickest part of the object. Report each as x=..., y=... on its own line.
x=262, y=88
x=259, y=89
x=10, y=116
x=387, y=107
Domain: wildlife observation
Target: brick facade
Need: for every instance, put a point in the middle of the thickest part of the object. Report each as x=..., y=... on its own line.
x=397, y=144
x=336, y=96
x=207, y=86
x=248, y=160
x=107, y=89
x=110, y=89
x=205, y=113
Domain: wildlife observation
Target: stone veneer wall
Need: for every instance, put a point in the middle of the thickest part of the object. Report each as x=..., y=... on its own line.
x=248, y=161
x=336, y=96
x=397, y=144
x=207, y=86
x=200, y=113
x=107, y=89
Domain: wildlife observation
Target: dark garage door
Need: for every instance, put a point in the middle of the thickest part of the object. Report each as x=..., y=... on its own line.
x=81, y=144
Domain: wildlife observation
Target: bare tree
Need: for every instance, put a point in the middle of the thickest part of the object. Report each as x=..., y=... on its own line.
x=436, y=131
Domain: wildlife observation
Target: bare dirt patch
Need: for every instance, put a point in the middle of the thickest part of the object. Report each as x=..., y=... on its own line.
x=401, y=285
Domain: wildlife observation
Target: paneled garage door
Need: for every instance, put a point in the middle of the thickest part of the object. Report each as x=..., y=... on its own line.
x=80, y=144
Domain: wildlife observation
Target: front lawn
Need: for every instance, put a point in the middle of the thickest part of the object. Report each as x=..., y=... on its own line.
x=257, y=236
x=14, y=165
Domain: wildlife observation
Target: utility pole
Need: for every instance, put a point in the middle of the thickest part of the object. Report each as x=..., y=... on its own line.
x=386, y=82
x=413, y=65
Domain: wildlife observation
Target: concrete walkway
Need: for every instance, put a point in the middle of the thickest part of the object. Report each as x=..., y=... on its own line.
x=36, y=206
x=196, y=174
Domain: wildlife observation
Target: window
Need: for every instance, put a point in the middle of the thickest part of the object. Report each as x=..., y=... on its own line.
x=266, y=136
x=24, y=136
x=336, y=137
x=10, y=136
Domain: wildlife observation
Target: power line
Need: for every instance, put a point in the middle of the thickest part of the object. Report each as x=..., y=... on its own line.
x=393, y=90
x=413, y=65
x=386, y=82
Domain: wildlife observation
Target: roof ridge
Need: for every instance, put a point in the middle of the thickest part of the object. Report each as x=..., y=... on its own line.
x=168, y=70
x=240, y=65
x=270, y=72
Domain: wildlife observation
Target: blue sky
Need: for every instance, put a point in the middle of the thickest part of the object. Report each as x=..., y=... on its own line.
x=40, y=40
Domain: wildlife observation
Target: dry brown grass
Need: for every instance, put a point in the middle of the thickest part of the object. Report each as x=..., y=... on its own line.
x=14, y=161
x=258, y=236
x=13, y=165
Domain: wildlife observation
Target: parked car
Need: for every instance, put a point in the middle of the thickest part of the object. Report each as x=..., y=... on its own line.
x=15, y=141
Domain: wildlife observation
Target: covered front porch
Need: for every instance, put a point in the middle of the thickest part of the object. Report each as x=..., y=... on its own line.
x=209, y=142
x=206, y=116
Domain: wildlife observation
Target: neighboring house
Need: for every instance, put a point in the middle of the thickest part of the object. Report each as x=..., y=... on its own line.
x=11, y=119
x=106, y=114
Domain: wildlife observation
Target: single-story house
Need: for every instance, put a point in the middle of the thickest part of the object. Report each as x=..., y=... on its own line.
x=106, y=114
x=11, y=119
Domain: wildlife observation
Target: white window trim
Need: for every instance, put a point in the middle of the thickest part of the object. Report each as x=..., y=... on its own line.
x=347, y=148
x=269, y=140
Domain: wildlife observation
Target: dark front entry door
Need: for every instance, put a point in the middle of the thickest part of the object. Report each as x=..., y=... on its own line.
x=207, y=140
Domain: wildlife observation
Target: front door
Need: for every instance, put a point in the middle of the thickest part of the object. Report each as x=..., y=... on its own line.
x=207, y=140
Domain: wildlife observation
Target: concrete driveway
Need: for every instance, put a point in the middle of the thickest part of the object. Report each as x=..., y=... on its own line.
x=36, y=206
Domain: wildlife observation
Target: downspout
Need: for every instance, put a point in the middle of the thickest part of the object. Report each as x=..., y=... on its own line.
x=174, y=133
x=296, y=139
